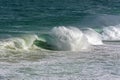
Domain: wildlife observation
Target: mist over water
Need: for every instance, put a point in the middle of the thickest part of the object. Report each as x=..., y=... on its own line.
x=59, y=40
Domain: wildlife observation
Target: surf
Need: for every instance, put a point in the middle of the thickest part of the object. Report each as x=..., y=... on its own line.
x=59, y=38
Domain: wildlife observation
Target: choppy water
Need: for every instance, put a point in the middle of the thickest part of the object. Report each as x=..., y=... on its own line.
x=59, y=40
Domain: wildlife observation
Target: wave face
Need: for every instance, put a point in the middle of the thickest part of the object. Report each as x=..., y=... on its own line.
x=111, y=33
x=67, y=39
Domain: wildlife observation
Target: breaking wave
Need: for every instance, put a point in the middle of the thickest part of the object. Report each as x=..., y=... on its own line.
x=18, y=43
x=111, y=33
x=63, y=38
x=59, y=38
x=71, y=38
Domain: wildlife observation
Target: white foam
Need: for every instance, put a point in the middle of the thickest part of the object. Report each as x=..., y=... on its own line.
x=111, y=33
x=68, y=39
x=93, y=37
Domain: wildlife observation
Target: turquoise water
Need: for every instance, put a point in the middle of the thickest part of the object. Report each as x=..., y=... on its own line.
x=59, y=40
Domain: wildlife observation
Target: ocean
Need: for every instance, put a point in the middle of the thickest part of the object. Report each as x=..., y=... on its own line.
x=59, y=39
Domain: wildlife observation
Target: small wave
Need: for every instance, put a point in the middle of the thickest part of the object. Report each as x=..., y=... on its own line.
x=111, y=33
